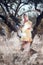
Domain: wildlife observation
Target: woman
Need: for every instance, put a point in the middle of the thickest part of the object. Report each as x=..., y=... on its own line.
x=26, y=37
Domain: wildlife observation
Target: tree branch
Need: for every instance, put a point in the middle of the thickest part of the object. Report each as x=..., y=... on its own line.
x=17, y=8
x=4, y=8
x=21, y=6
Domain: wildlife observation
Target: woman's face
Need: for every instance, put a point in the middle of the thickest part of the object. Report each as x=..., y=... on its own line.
x=25, y=18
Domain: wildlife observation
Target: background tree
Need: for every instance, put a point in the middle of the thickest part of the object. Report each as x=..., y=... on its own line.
x=10, y=14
